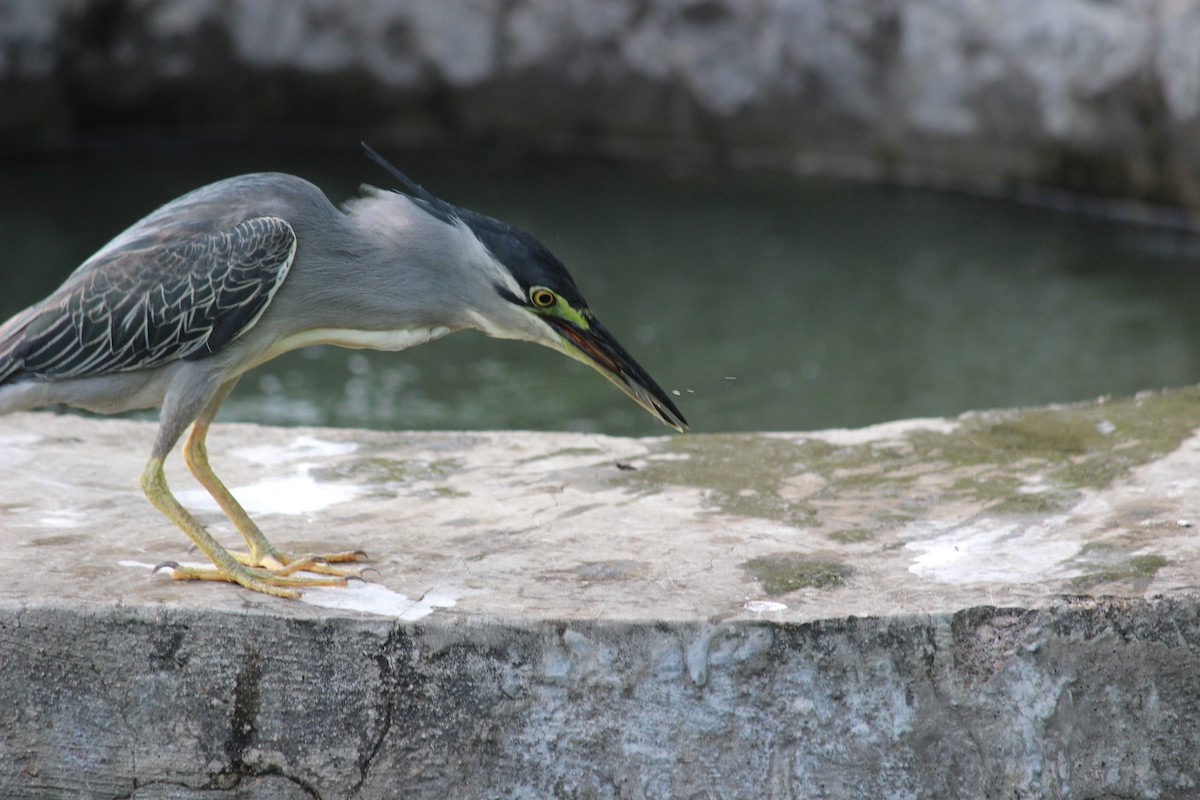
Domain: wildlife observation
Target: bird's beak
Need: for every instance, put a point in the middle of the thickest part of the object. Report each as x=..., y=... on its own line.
x=597, y=348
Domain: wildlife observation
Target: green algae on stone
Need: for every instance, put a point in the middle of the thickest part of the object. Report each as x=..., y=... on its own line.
x=1111, y=563
x=743, y=472
x=1041, y=502
x=780, y=574
x=380, y=470
x=1137, y=568
x=1080, y=446
x=440, y=492
x=1023, y=461
x=851, y=536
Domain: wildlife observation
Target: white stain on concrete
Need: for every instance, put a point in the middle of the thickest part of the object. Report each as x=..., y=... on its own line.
x=373, y=598
x=883, y=432
x=764, y=606
x=292, y=494
x=297, y=493
x=12, y=452
x=993, y=551
x=368, y=598
x=64, y=518
x=302, y=448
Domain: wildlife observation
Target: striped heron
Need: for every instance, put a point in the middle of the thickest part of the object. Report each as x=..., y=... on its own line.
x=174, y=310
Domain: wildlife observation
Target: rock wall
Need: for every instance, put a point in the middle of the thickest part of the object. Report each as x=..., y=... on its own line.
x=179, y=702
x=1102, y=97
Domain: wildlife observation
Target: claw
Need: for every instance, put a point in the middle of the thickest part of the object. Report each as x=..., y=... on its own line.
x=171, y=565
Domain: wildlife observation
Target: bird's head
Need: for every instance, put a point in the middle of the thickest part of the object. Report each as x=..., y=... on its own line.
x=536, y=300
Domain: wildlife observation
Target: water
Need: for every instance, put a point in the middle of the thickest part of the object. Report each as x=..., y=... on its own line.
x=766, y=302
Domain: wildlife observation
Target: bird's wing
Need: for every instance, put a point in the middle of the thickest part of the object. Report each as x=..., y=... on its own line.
x=141, y=307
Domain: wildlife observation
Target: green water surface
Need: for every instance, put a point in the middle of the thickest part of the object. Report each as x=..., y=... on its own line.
x=765, y=301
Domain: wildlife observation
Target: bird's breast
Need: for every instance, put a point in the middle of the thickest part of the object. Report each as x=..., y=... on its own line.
x=355, y=339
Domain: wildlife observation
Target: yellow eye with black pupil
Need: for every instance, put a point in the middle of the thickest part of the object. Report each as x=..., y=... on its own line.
x=542, y=298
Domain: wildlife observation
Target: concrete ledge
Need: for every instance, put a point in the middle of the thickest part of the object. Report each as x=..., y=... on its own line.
x=1078, y=699
x=999, y=605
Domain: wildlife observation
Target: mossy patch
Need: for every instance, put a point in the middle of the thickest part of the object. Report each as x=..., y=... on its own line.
x=1073, y=447
x=1111, y=563
x=375, y=470
x=1033, y=461
x=730, y=464
x=612, y=570
x=851, y=536
x=780, y=574
x=440, y=492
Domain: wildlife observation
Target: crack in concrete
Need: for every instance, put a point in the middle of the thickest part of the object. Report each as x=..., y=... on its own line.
x=388, y=679
x=139, y=785
x=231, y=788
x=941, y=646
x=243, y=717
x=250, y=773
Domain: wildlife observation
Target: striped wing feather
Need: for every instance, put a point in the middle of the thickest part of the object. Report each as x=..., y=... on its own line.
x=141, y=308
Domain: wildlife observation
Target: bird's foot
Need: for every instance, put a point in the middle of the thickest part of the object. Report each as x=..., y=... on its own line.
x=274, y=573
x=260, y=580
x=280, y=564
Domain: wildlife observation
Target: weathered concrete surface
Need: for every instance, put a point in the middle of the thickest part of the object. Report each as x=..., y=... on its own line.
x=1003, y=605
x=1099, y=96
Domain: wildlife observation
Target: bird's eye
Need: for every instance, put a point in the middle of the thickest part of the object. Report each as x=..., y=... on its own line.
x=542, y=297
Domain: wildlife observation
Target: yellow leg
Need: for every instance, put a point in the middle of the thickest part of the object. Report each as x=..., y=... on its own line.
x=225, y=566
x=261, y=552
